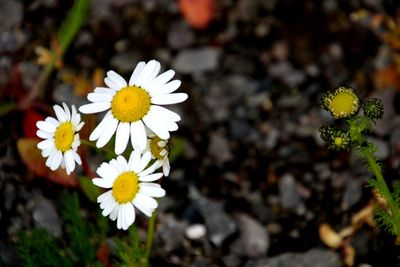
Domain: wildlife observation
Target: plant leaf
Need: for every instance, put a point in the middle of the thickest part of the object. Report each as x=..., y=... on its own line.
x=89, y=189
x=32, y=157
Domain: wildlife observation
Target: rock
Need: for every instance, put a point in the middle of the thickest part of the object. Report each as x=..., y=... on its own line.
x=219, y=149
x=191, y=61
x=352, y=193
x=196, y=231
x=45, y=216
x=219, y=224
x=64, y=93
x=289, y=196
x=382, y=151
x=124, y=62
x=385, y=125
x=313, y=258
x=172, y=232
x=8, y=256
x=180, y=35
x=9, y=195
x=253, y=241
x=10, y=14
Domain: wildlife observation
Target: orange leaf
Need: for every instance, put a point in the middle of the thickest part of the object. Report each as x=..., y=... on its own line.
x=387, y=78
x=197, y=13
x=32, y=157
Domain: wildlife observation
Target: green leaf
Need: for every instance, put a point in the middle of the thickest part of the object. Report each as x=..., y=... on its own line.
x=89, y=189
x=72, y=23
x=177, y=148
x=6, y=107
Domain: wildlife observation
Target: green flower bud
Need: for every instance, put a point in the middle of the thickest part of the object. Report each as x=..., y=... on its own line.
x=326, y=131
x=373, y=109
x=340, y=140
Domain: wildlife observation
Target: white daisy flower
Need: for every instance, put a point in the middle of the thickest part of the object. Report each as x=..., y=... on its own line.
x=62, y=139
x=130, y=186
x=134, y=105
x=159, y=151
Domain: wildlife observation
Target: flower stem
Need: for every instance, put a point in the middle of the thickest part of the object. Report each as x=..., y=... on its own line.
x=384, y=190
x=150, y=237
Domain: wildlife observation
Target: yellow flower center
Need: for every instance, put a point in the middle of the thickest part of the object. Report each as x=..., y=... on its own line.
x=130, y=104
x=338, y=141
x=156, y=149
x=125, y=187
x=64, y=136
x=344, y=104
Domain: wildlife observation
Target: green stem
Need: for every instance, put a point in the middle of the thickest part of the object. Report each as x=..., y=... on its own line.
x=105, y=150
x=150, y=237
x=384, y=189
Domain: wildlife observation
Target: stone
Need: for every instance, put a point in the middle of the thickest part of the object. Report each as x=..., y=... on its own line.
x=289, y=195
x=219, y=149
x=313, y=258
x=45, y=216
x=196, y=60
x=219, y=224
x=10, y=15
x=352, y=193
x=253, y=240
x=196, y=231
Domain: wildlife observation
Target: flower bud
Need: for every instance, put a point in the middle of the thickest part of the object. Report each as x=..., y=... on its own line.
x=342, y=103
x=373, y=109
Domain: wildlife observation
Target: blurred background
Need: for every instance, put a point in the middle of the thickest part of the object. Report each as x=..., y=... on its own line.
x=251, y=182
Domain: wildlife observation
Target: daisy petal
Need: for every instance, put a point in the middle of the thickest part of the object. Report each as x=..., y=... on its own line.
x=169, y=99
x=143, y=162
x=106, y=135
x=122, y=163
x=134, y=159
x=147, y=71
x=43, y=134
x=48, y=143
x=151, y=177
x=165, y=113
x=135, y=74
x=104, y=90
x=140, y=206
x=120, y=217
x=166, y=167
x=129, y=213
x=103, y=183
x=117, y=79
x=60, y=114
x=55, y=163
x=114, y=212
x=151, y=169
x=147, y=201
x=162, y=79
x=109, y=207
x=96, y=97
x=112, y=85
x=138, y=135
x=122, y=137
x=95, y=107
x=105, y=196
x=69, y=161
x=67, y=112
x=106, y=171
x=77, y=158
x=101, y=127
x=152, y=191
x=155, y=124
x=46, y=126
x=168, y=88
x=52, y=121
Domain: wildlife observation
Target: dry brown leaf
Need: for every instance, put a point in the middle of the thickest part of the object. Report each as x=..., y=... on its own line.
x=349, y=255
x=329, y=236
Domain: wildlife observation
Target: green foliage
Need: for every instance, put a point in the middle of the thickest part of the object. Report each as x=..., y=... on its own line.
x=72, y=23
x=130, y=253
x=385, y=220
x=89, y=189
x=177, y=148
x=79, y=230
x=6, y=107
x=358, y=127
x=38, y=248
